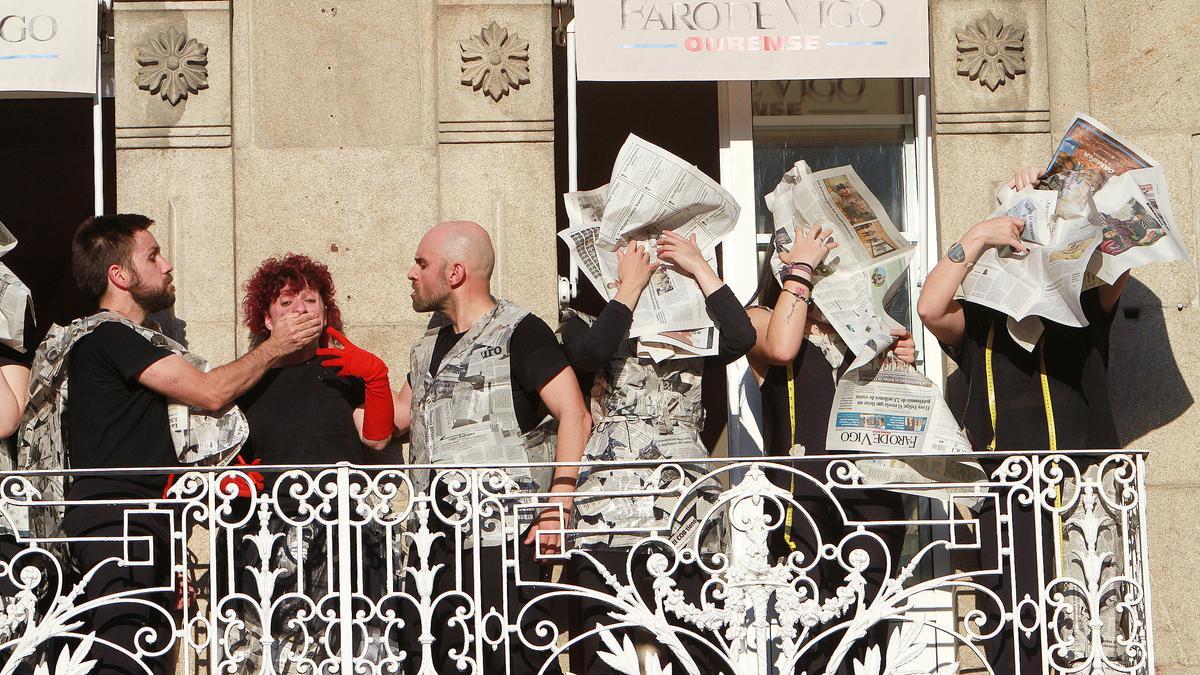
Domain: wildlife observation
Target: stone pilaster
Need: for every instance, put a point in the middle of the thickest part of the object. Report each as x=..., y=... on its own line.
x=174, y=164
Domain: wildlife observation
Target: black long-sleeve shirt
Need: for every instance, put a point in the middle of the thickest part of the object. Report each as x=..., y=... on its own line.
x=590, y=348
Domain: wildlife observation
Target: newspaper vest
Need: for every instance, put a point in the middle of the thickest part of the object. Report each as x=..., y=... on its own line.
x=199, y=437
x=642, y=411
x=463, y=412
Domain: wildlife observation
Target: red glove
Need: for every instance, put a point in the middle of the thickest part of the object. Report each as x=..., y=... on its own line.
x=352, y=361
x=241, y=483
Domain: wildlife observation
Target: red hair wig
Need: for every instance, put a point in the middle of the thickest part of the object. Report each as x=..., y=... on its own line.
x=292, y=272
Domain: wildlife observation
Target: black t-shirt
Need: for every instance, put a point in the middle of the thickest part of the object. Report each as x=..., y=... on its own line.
x=815, y=386
x=303, y=414
x=1076, y=368
x=535, y=358
x=112, y=420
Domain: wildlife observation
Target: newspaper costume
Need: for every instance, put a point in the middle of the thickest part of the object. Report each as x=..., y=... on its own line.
x=643, y=411
x=15, y=299
x=199, y=437
x=463, y=413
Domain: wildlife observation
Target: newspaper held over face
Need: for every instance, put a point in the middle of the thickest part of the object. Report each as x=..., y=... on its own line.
x=857, y=276
x=1046, y=281
x=15, y=298
x=652, y=191
x=1110, y=212
x=890, y=407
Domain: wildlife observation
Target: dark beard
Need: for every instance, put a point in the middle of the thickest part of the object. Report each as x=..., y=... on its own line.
x=153, y=300
x=426, y=304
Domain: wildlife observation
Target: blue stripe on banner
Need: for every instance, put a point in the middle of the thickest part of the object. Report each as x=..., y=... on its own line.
x=14, y=57
x=864, y=43
x=647, y=45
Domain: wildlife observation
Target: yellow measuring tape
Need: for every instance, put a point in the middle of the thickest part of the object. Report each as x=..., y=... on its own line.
x=787, y=521
x=1047, y=403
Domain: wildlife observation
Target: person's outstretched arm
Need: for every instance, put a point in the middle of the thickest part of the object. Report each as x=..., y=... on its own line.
x=589, y=348
x=780, y=330
x=179, y=380
x=939, y=311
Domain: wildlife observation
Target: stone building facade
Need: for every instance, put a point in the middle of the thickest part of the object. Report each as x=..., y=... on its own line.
x=345, y=128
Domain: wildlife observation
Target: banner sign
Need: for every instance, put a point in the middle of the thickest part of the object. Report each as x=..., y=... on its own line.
x=48, y=48
x=665, y=40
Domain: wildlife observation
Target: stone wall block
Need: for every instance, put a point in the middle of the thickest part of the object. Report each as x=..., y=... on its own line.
x=359, y=211
x=337, y=74
x=971, y=167
x=516, y=25
x=966, y=105
x=172, y=38
x=1142, y=59
x=189, y=194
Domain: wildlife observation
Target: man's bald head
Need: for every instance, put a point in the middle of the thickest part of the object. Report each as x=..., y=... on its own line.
x=462, y=241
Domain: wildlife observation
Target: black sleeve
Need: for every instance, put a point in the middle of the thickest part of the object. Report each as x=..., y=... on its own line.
x=589, y=348
x=119, y=346
x=737, y=333
x=536, y=355
x=10, y=355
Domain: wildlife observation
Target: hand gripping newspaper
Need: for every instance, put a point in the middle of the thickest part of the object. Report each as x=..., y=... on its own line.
x=860, y=274
x=652, y=191
x=1103, y=210
x=15, y=298
x=882, y=405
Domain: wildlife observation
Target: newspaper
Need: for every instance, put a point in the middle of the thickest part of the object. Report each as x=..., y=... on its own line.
x=1047, y=280
x=890, y=407
x=857, y=277
x=15, y=298
x=1138, y=224
x=1104, y=210
x=652, y=191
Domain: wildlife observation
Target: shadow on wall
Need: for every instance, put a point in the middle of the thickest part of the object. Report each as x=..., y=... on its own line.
x=1146, y=388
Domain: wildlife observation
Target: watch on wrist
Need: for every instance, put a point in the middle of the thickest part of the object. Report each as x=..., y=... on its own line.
x=956, y=253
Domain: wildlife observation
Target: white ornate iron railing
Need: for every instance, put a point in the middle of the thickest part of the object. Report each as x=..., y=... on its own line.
x=341, y=570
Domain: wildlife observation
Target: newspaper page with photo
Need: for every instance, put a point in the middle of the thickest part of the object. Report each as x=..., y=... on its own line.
x=1047, y=280
x=15, y=298
x=1138, y=224
x=890, y=407
x=856, y=278
x=1103, y=210
x=653, y=191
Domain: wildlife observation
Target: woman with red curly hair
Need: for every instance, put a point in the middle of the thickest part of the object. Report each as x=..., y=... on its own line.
x=322, y=405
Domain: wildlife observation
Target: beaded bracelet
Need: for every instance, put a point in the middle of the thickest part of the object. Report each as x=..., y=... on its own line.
x=799, y=296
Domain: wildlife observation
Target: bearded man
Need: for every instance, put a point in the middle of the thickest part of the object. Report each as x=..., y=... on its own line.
x=477, y=390
x=122, y=377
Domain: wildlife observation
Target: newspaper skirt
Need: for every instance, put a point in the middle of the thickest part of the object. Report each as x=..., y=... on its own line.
x=632, y=502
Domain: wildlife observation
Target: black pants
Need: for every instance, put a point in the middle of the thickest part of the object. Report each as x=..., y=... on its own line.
x=148, y=566
x=818, y=521
x=511, y=657
x=1011, y=652
x=590, y=614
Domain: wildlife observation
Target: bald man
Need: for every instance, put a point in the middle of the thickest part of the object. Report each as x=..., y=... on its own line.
x=477, y=391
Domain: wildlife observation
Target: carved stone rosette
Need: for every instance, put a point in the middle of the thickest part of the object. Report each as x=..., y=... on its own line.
x=172, y=66
x=495, y=61
x=991, y=51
